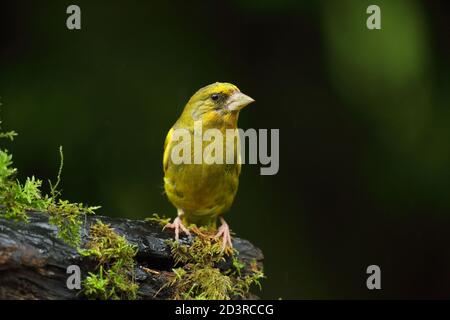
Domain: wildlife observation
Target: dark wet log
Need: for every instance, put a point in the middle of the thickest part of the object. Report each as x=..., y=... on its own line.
x=33, y=260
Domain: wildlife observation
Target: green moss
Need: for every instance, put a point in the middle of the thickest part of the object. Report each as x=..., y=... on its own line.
x=8, y=134
x=17, y=198
x=201, y=284
x=67, y=217
x=200, y=278
x=155, y=218
x=114, y=277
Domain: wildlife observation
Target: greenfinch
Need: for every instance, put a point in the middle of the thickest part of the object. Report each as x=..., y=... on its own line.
x=202, y=192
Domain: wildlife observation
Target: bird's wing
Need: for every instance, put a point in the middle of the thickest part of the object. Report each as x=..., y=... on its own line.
x=167, y=149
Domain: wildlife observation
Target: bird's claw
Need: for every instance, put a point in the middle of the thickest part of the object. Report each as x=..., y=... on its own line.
x=224, y=232
x=177, y=225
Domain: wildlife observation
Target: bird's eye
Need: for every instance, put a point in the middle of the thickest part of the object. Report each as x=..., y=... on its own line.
x=215, y=97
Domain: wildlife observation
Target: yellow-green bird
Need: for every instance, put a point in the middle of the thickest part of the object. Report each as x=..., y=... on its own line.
x=202, y=192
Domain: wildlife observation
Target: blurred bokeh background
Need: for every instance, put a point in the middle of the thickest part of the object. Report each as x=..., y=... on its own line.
x=364, y=119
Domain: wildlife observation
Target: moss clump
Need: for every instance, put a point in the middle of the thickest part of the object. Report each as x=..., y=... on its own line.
x=155, y=218
x=17, y=198
x=67, y=217
x=115, y=277
x=199, y=277
x=8, y=135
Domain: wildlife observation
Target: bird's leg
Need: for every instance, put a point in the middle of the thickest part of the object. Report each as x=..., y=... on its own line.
x=177, y=225
x=224, y=232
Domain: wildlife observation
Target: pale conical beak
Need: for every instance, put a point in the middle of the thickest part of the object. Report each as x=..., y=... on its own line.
x=237, y=101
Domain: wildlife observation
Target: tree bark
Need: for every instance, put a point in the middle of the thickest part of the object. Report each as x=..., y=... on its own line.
x=33, y=260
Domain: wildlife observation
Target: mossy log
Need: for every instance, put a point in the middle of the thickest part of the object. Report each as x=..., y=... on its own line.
x=34, y=261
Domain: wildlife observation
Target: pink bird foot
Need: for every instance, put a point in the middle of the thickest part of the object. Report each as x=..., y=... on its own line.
x=177, y=225
x=224, y=232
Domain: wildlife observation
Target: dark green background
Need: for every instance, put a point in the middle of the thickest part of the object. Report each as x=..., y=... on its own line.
x=364, y=119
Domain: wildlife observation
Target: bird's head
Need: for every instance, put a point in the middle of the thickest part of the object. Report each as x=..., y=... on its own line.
x=216, y=103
